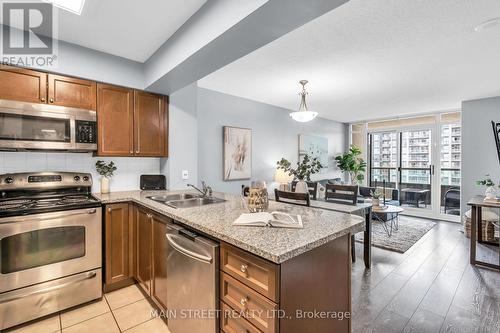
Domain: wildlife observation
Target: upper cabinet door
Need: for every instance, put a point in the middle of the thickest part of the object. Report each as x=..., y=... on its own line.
x=71, y=92
x=149, y=119
x=115, y=121
x=23, y=85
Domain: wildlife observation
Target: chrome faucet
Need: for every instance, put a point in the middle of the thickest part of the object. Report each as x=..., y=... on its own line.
x=206, y=192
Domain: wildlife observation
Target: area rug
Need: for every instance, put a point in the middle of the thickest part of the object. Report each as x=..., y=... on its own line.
x=410, y=231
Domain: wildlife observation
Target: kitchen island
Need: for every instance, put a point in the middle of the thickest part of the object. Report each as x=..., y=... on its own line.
x=278, y=280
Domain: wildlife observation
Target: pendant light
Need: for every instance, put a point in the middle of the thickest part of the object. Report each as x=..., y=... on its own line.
x=303, y=115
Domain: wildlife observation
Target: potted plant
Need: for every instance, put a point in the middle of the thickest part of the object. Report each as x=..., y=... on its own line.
x=490, y=192
x=376, y=197
x=353, y=164
x=305, y=168
x=106, y=171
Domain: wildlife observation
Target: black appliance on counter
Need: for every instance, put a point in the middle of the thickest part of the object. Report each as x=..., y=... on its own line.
x=153, y=182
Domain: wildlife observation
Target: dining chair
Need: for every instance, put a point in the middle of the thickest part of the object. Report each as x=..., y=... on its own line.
x=312, y=186
x=347, y=194
x=301, y=199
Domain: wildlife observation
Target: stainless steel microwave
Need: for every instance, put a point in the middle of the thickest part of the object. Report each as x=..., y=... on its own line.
x=30, y=126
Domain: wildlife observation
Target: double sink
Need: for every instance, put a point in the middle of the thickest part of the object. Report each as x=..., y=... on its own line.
x=185, y=200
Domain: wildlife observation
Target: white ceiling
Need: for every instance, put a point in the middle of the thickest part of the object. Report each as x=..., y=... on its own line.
x=372, y=59
x=127, y=28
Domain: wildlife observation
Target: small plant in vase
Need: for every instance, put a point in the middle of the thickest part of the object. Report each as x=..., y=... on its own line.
x=305, y=168
x=490, y=192
x=376, y=197
x=106, y=171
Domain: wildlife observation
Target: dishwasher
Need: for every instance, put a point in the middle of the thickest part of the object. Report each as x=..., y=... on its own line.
x=192, y=281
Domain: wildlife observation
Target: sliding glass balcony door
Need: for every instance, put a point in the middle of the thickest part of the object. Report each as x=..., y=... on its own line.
x=450, y=163
x=421, y=163
x=416, y=168
x=384, y=159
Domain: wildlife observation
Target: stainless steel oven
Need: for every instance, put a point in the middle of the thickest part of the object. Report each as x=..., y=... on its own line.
x=46, y=127
x=50, y=247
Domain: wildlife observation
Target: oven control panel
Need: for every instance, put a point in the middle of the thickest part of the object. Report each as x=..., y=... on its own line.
x=44, y=180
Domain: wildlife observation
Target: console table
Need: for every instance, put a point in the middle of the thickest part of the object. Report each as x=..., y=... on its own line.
x=477, y=203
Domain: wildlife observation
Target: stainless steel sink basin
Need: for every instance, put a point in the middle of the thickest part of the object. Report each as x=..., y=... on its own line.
x=195, y=202
x=172, y=197
x=185, y=200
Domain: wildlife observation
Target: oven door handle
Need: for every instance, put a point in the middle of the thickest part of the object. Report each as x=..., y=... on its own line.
x=16, y=296
x=45, y=218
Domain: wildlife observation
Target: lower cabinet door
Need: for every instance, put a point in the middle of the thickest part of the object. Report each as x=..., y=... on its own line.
x=144, y=248
x=117, y=243
x=159, y=286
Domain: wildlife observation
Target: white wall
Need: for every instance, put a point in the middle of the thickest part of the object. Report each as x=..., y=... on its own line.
x=182, y=138
x=274, y=135
x=126, y=177
x=479, y=154
x=75, y=60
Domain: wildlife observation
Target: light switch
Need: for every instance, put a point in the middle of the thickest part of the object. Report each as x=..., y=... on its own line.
x=185, y=175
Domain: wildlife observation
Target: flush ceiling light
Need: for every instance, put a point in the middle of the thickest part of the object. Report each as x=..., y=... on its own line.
x=73, y=6
x=303, y=115
x=488, y=24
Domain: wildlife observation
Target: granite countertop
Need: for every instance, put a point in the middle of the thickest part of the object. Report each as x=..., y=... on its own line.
x=274, y=244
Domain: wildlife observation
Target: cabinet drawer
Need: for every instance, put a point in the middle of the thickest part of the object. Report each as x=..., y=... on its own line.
x=257, y=309
x=253, y=271
x=232, y=322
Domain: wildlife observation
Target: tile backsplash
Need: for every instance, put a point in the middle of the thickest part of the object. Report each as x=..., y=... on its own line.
x=126, y=176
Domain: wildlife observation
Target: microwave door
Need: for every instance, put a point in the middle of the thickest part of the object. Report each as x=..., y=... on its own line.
x=22, y=129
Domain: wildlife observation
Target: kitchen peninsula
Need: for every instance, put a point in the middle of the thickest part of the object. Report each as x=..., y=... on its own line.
x=280, y=280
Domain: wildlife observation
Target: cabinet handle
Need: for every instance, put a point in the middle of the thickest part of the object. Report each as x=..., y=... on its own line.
x=244, y=268
x=51, y=100
x=137, y=151
x=244, y=301
x=131, y=152
x=109, y=210
x=149, y=215
x=43, y=99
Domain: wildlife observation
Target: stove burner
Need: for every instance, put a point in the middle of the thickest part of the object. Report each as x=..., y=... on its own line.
x=16, y=204
x=71, y=199
x=47, y=202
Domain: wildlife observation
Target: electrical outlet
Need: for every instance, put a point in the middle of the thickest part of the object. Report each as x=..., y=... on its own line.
x=185, y=174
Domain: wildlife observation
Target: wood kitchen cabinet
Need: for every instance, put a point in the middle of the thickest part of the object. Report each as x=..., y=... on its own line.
x=131, y=123
x=115, y=120
x=144, y=249
x=31, y=86
x=118, y=246
x=24, y=85
x=72, y=92
x=159, y=254
x=149, y=124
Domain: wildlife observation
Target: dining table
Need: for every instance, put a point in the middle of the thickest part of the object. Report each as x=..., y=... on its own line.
x=477, y=203
x=361, y=209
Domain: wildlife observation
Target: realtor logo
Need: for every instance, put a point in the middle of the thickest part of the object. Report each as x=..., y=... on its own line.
x=28, y=34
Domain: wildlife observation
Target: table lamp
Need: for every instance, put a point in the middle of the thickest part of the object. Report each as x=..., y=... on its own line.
x=283, y=178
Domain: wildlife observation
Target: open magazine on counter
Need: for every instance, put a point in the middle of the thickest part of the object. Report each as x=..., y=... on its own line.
x=273, y=219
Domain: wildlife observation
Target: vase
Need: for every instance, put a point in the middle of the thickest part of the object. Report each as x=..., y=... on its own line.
x=375, y=202
x=104, y=185
x=490, y=192
x=258, y=200
x=301, y=187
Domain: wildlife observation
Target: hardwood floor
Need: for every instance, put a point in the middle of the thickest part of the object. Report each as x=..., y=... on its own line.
x=430, y=288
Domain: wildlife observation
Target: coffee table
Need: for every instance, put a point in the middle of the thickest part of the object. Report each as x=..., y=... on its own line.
x=390, y=215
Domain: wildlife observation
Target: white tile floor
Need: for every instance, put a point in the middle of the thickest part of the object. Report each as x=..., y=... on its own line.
x=124, y=310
